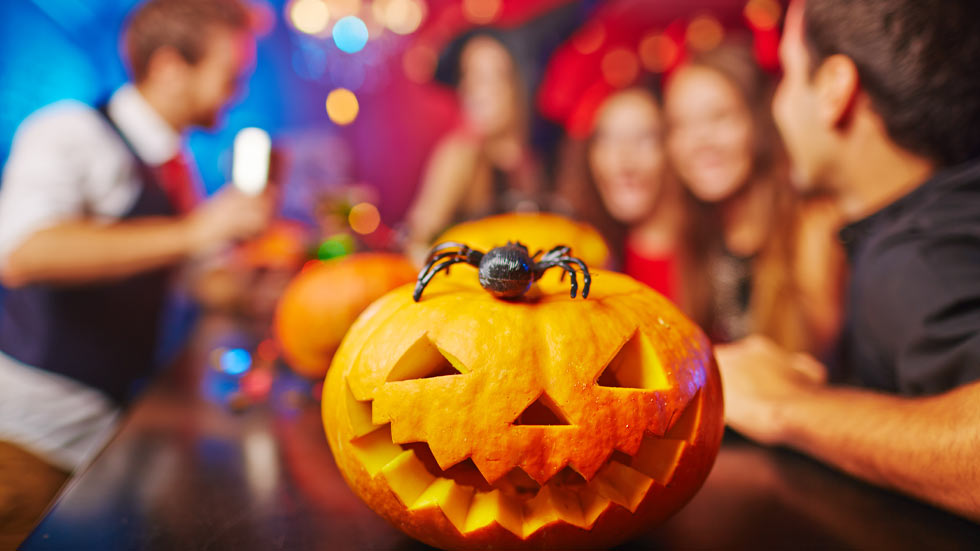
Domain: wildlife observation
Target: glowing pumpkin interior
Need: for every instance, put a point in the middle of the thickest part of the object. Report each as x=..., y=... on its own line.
x=464, y=416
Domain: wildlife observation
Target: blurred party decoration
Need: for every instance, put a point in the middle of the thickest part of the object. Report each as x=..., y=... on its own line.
x=350, y=34
x=471, y=422
x=321, y=302
x=250, y=160
x=587, y=68
x=342, y=106
x=538, y=231
x=704, y=32
x=308, y=16
x=364, y=218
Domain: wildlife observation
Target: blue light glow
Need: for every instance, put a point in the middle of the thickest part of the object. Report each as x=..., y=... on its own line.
x=236, y=361
x=350, y=34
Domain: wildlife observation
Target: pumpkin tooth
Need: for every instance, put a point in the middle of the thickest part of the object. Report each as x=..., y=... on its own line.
x=685, y=428
x=453, y=499
x=566, y=505
x=658, y=457
x=358, y=414
x=407, y=477
x=446, y=456
x=375, y=450
x=539, y=511
x=622, y=485
x=593, y=505
x=493, y=506
x=492, y=471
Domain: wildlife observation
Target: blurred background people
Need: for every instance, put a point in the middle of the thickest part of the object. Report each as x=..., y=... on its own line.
x=892, y=133
x=628, y=166
x=485, y=165
x=772, y=262
x=97, y=206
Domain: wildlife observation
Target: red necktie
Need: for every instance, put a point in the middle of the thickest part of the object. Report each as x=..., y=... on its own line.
x=179, y=184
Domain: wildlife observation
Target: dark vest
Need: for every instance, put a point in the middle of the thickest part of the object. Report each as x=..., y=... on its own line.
x=103, y=335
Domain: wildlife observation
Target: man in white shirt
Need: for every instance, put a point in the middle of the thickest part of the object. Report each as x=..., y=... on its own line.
x=96, y=209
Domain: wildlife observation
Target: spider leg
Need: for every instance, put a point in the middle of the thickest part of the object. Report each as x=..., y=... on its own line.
x=448, y=245
x=541, y=267
x=426, y=275
x=435, y=258
x=586, y=276
x=556, y=253
x=571, y=273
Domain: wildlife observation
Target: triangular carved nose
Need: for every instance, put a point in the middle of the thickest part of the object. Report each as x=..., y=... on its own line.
x=542, y=411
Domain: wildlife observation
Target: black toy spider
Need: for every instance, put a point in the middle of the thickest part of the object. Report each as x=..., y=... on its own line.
x=507, y=271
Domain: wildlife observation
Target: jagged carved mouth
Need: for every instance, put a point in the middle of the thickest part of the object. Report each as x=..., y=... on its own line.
x=517, y=502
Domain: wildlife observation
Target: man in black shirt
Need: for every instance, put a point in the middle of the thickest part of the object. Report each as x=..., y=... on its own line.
x=880, y=106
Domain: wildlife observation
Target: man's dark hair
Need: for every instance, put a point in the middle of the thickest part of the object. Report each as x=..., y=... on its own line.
x=918, y=62
x=179, y=24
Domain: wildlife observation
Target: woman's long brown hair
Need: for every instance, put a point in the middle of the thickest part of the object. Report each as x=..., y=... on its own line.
x=775, y=308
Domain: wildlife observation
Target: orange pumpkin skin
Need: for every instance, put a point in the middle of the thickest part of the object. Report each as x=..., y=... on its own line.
x=323, y=300
x=660, y=411
x=536, y=230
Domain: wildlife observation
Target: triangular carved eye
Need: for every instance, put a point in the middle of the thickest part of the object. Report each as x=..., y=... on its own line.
x=542, y=411
x=423, y=360
x=636, y=365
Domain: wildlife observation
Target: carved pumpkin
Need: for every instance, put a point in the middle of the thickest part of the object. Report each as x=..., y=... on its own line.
x=473, y=422
x=538, y=231
x=324, y=299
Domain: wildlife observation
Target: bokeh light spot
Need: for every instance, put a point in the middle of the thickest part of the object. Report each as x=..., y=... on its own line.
x=350, y=34
x=620, y=67
x=364, y=218
x=399, y=16
x=343, y=8
x=704, y=32
x=267, y=350
x=236, y=361
x=309, y=16
x=658, y=52
x=335, y=247
x=481, y=12
x=342, y=106
x=763, y=14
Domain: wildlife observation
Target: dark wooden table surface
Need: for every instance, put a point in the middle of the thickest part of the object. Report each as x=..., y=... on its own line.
x=188, y=470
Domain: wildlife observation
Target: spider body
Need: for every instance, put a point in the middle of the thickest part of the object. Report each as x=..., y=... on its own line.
x=506, y=272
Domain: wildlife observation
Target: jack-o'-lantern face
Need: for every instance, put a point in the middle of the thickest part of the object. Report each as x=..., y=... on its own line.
x=470, y=421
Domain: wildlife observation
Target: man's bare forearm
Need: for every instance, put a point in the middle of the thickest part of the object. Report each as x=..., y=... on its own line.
x=926, y=447
x=83, y=252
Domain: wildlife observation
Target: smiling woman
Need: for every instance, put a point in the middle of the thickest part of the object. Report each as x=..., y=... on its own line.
x=772, y=259
x=471, y=422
